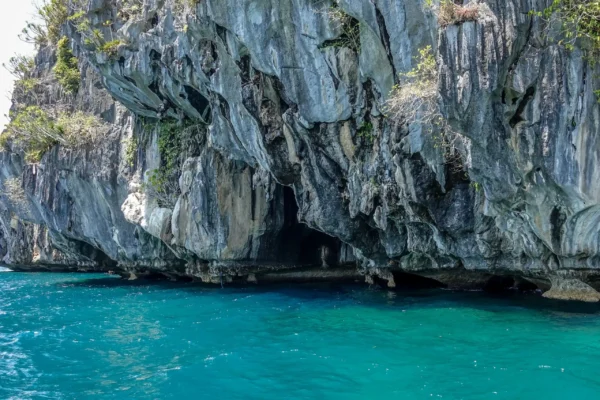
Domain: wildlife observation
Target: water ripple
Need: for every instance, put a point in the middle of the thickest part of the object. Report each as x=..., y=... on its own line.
x=64, y=336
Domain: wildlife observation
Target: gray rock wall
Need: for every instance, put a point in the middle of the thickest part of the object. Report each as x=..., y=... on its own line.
x=283, y=176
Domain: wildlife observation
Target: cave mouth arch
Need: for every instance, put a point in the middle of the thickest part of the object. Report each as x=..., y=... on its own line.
x=406, y=280
x=302, y=245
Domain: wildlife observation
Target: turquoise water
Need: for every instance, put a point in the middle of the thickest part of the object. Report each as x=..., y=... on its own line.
x=68, y=336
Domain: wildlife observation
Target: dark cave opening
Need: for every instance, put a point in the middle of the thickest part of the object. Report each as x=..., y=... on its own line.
x=523, y=285
x=518, y=116
x=499, y=283
x=503, y=283
x=299, y=243
x=405, y=280
x=103, y=261
x=199, y=102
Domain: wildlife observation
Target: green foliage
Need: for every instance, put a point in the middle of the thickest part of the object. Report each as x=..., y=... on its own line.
x=426, y=68
x=450, y=13
x=35, y=131
x=477, y=186
x=415, y=98
x=93, y=38
x=34, y=33
x=4, y=140
x=163, y=180
x=181, y=5
x=349, y=26
x=27, y=85
x=129, y=9
x=54, y=14
x=366, y=132
x=174, y=140
x=20, y=66
x=111, y=48
x=131, y=145
x=66, y=68
x=580, y=19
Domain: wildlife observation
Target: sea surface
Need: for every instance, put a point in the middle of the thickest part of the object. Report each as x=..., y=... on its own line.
x=75, y=336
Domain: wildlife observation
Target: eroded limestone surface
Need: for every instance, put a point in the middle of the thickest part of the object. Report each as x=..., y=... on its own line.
x=281, y=176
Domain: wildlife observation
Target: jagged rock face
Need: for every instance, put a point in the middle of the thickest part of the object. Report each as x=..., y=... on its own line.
x=285, y=176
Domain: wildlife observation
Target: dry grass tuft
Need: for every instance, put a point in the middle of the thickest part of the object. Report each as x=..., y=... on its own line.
x=450, y=13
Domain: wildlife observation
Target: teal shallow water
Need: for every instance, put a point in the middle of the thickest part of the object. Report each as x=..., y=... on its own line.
x=68, y=336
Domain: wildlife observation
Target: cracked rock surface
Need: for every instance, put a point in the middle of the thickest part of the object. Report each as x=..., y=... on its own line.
x=282, y=181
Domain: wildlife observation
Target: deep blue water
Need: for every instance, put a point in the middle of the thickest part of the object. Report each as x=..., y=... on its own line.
x=69, y=336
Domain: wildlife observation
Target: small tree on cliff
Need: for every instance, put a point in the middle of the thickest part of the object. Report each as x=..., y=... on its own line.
x=415, y=100
x=580, y=19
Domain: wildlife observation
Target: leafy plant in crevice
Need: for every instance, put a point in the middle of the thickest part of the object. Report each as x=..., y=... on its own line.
x=52, y=15
x=476, y=186
x=36, y=130
x=66, y=68
x=131, y=146
x=21, y=67
x=55, y=14
x=415, y=100
x=33, y=130
x=93, y=38
x=129, y=9
x=184, y=6
x=579, y=19
x=348, y=25
x=365, y=132
x=111, y=48
x=449, y=13
x=174, y=139
x=579, y=22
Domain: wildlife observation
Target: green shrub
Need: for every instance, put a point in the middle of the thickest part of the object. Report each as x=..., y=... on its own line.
x=55, y=14
x=450, y=13
x=174, y=140
x=415, y=101
x=111, y=48
x=415, y=98
x=129, y=9
x=130, y=150
x=34, y=33
x=366, y=132
x=20, y=66
x=349, y=27
x=66, y=68
x=27, y=85
x=580, y=19
x=36, y=131
x=80, y=128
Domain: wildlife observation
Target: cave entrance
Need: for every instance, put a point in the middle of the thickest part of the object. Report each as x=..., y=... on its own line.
x=405, y=280
x=503, y=283
x=299, y=244
x=70, y=245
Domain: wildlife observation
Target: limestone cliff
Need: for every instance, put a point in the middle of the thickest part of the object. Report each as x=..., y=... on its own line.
x=287, y=164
